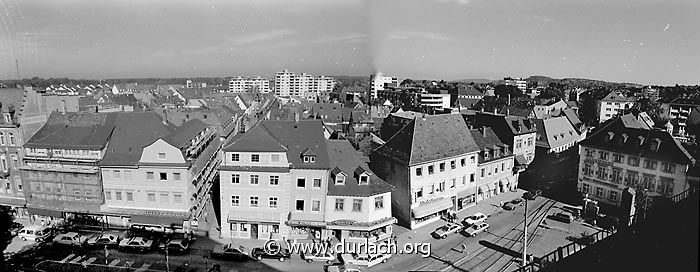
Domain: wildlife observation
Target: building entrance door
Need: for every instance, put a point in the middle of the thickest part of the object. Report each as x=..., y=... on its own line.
x=254, y=231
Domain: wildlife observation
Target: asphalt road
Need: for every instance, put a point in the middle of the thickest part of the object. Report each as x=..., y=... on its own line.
x=489, y=251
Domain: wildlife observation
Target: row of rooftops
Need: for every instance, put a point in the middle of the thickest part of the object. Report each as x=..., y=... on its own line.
x=122, y=135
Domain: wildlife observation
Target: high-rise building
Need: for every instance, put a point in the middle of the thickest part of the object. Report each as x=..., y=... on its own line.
x=517, y=82
x=304, y=85
x=378, y=82
x=243, y=84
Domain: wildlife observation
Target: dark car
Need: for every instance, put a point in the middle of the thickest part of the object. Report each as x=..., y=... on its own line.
x=563, y=217
x=608, y=222
x=230, y=251
x=136, y=244
x=15, y=227
x=175, y=246
x=282, y=254
x=532, y=195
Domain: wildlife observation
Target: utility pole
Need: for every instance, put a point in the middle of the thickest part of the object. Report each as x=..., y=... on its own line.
x=525, y=236
x=17, y=66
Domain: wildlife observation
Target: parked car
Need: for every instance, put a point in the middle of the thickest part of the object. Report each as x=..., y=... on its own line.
x=532, y=195
x=476, y=229
x=474, y=218
x=70, y=239
x=344, y=268
x=368, y=260
x=563, y=217
x=511, y=205
x=608, y=222
x=35, y=232
x=104, y=239
x=445, y=230
x=175, y=245
x=15, y=227
x=315, y=257
x=230, y=251
x=282, y=254
x=136, y=243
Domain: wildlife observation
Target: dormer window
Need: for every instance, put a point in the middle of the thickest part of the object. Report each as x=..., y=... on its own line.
x=309, y=158
x=486, y=154
x=340, y=179
x=308, y=155
x=364, y=179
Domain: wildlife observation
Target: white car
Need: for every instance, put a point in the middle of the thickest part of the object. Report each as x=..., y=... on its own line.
x=446, y=229
x=476, y=229
x=105, y=239
x=368, y=260
x=70, y=239
x=324, y=257
x=344, y=268
x=474, y=218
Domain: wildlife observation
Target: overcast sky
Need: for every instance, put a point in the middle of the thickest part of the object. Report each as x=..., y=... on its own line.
x=643, y=41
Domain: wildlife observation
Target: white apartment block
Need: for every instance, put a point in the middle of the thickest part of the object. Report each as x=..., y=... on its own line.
x=303, y=85
x=243, y=84
x=378, y=82
x=517, y=82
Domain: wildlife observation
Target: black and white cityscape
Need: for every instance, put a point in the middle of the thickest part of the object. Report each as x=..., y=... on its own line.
x=349, y=135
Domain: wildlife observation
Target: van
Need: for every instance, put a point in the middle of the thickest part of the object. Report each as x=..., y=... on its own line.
x=35, y=233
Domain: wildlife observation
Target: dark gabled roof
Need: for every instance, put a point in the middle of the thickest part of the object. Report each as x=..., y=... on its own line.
x=72, y=130
x=487, y=140
x=685, y=101
x=343, y=157
x=430, y=138
x=182, y=135
x=280, y=136
x=469, y=90
x=617, y=96
x=638, y=142
x=466, y=102
x=124, y=99
x=133, y=131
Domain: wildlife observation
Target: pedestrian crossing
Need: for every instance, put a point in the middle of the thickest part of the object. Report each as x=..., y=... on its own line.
x=84, y=260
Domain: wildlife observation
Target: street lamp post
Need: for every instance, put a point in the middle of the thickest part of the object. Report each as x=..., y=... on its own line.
x=525, y=236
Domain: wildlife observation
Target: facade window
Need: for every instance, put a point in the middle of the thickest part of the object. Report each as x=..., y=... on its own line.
x=116, y=174
x=3, y=161
x=161, y=156
x=668, y=167
x=164, y=198
x=463, y=162
x=665, y=186
x=650, y=164
x=431, y=169
x=149, y=175
x=586, y=188
x=432, y=189
x=255, y=158
x=274, y=180
x=471, y=178
x=235, y=157
x=273, y=202
x=15, y=162
x=127, y=174
x=632, y=179
x=419, y=171
x=473, y=159
x=253, y=201
x=130, y=196
x=379, y=203
x=454, y=181
x=177, y=198
x=453, y=164
x=118, y=195
x=599, y=192
x=2, y=138
x=441, y=186
x=495, y=169
x=339, y=202
x=108, y=195
x=235, y=178
x=77, y=194
x=317, y=183
x=163, y=176
x=301, y=182
x=254, y=179
x=299, y=205
x=235, y=200
x=275, y=157
x=590, y=152
x=613, y=195
x=602, y=173
x=633, y=161
x=616, y=176
x=588, y=170
x=603, y=155
x=618, y=158
x=357, y=205
x=442, y=167
x=151, y=197
x=176, y=176
x=648, y=182
x=503, y=167
x=316, y=205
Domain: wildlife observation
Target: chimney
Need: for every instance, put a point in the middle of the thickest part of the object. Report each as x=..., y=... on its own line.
x=165, y=117
x=624, y=137
x=610, y=135
x=656, y=144
x=296, y=117
x=483, y=131
x=508, y=109
x=509, y=100
x=495, y=111
x=63, y=106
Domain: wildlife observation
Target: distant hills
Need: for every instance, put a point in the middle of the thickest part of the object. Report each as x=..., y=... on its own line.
x=578, y=82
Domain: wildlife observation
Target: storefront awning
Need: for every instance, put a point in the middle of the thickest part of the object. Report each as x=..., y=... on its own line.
x=148, y=220
x=306, y=223
x=12, y=201
x=431, y=207
x=253, y=217
x=484, y=188
x=45, y=212
x=520, y=159
x=466, y=193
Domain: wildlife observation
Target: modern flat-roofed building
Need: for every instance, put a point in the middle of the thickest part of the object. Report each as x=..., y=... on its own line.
x=302, y=85
x=244, y=84
x=378, y=82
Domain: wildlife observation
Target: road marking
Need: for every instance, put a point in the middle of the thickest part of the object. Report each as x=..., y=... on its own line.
x=91, y=260
x=68, y=258
x=76, y=260
x=114, y=262
x=143, y=267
